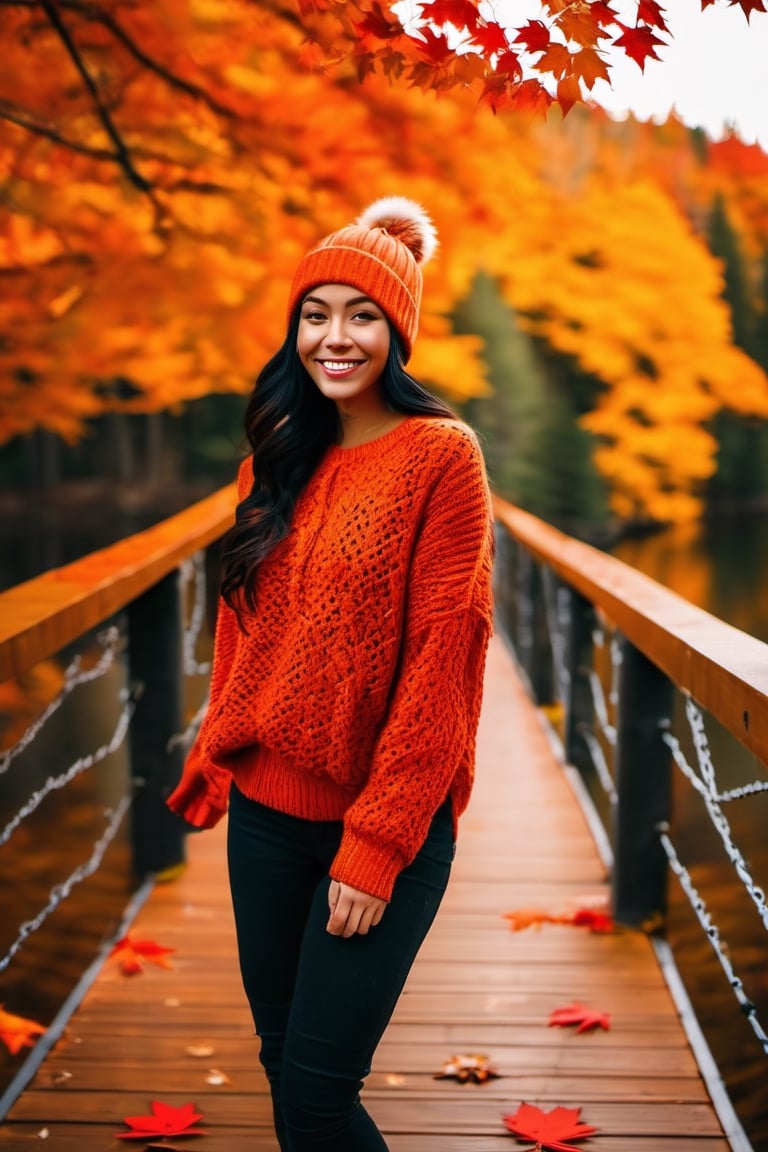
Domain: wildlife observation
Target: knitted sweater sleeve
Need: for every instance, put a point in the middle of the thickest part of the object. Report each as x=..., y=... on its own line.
x=426, y=748
x=202, y=795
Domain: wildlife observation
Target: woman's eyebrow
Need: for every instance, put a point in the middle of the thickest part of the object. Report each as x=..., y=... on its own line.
x=347, y=303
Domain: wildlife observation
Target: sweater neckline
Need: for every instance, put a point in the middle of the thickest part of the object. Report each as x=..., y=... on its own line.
x=377, y=445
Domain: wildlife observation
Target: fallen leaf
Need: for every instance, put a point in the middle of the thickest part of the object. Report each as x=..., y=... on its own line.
x=131, y=955
x=471, y=1067
x=583, y=1017
x=595, y=917
x=528, y=917
x=18, y=1032
x=166, y=1120
x=548, y=1129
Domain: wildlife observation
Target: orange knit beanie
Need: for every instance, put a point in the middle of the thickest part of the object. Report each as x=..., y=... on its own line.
x=380, y=254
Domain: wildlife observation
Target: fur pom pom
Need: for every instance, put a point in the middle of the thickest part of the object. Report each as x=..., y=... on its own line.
x=406, y=220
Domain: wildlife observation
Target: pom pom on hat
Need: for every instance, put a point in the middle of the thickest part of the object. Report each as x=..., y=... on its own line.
x=406, y=221
x=381, y=255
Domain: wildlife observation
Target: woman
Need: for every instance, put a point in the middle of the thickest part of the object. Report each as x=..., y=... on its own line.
x=347, y=675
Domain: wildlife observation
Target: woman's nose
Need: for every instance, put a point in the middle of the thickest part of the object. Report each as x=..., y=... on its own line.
x=337, y=331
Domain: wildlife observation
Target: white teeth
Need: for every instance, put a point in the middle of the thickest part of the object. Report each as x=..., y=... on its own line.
x=338, y=365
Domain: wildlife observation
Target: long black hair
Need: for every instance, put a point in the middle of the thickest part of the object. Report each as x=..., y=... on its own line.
x=289, y=425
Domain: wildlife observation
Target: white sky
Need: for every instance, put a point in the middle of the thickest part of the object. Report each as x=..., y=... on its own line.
x=713, y=75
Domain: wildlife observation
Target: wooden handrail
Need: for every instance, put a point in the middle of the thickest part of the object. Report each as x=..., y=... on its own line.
x=42, y=615
x=723, y=669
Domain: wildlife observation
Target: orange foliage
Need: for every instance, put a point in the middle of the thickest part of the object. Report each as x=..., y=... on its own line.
x=170, y=163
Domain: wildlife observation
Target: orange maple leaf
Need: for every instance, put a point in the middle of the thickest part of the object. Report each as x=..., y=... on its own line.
x=549, y=1129
x=18, y=1032
x=584, y=1018
x=529, y=917
x=131, y=955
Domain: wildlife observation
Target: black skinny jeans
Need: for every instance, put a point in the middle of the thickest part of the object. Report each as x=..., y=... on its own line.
x=320, y=1003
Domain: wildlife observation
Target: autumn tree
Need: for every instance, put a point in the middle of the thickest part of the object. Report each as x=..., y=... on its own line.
x=165, y=165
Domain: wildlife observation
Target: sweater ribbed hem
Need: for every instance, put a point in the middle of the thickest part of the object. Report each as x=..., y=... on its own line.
x=270, y=779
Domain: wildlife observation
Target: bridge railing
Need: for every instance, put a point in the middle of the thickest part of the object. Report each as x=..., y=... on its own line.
x=606, y=652
x=109, y=645
x=663, y=711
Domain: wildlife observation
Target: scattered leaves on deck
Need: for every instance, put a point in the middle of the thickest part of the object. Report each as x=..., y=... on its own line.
x=596, y=917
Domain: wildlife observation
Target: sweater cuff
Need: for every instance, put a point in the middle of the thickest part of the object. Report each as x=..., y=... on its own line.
x=366, y=867
x=200, y=798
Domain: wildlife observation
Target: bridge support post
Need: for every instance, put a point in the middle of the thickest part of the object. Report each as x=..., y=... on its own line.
x=643, y=779
x=578, y=705
x=155, y=635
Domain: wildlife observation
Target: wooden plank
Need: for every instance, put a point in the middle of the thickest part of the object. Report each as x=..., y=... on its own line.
x=74, y=1137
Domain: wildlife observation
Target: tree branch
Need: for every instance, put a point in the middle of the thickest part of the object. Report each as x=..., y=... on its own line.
x=122, y=155
x=21, y=120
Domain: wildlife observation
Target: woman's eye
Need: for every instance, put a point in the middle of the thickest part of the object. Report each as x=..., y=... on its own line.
x=365, y=316
x=313, y=316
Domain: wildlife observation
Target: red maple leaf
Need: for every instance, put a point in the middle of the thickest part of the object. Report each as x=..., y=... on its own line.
x=583, y=1017
x=534, y=35
x=460, y=13
x=750, y=6
x=132, y=954
x=378, y=25
x=164, y=1121
x=548, y=1129
x=638, y=43
x=593, y=918
x=651, y=12
x=17, y=1032
x=434, y=49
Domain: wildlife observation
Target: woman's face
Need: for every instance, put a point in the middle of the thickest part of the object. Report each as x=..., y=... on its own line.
x=343, y=342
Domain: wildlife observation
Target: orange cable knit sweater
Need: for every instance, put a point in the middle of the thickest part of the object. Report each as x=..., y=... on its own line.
x=355, y=693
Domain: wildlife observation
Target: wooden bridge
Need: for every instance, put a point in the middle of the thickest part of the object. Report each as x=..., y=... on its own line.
x=528, y=844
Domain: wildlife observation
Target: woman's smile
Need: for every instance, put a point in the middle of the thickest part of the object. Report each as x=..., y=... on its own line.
x=343, y=342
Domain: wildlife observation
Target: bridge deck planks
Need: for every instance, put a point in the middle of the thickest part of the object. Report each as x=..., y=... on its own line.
x=476, y=987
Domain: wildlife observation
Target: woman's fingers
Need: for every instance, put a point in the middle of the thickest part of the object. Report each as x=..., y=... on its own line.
x=351, y=911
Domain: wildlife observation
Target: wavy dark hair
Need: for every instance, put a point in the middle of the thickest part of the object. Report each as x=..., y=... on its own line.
x=289, y=426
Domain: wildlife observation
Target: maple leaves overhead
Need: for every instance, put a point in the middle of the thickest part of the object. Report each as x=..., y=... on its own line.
x=555, y=57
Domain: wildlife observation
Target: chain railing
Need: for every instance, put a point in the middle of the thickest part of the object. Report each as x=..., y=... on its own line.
x=136, y=615
x=629, y=674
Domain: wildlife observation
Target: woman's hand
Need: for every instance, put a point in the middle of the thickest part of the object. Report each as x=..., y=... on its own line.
x=351, y=910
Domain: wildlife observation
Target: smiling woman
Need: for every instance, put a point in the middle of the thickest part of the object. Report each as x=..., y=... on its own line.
x=344, y=343
x=347, y=673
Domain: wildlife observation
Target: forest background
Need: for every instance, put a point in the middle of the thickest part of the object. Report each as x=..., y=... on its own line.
x=598, y=307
